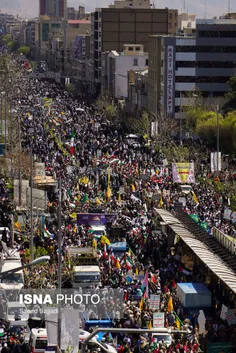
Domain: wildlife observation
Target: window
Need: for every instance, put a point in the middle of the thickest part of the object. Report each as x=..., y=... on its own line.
x=170, y=16
x=203, y=79
x=135, y=62
x=205, y=49
x=130, y=48
x=137, y=48
x=146, y=62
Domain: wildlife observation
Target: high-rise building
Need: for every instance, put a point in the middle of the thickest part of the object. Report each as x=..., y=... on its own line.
x=112, y=28
x=181, y=67
x=53, y=8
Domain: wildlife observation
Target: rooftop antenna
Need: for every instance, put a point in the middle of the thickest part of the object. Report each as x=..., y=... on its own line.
x=184, y=6
x=205, y=9
x=229, y=6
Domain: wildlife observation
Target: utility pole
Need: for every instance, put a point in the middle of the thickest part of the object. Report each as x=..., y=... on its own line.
x=31, y=201
x=217, y=137
x=5, y=113
x=59, y=268
x=19, y=138
x=180, y=122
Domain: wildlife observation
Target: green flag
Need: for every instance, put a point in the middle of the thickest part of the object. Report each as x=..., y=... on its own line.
x=85, y=198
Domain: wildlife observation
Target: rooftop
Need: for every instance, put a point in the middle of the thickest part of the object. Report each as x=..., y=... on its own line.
x=77, y=22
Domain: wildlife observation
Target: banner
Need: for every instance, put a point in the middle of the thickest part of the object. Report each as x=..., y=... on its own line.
x=224, y=310
x=183, y=172
x=230, y=317
x=158, y=320
x=89, y=219
x=214, y=162
x=219, y=347
x=154, y=302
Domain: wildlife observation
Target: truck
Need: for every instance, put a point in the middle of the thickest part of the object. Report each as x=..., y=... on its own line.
x=86, y=276
x=82, y=256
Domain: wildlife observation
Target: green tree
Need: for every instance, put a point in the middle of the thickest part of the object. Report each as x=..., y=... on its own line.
x=24, y=50
x=231, y=95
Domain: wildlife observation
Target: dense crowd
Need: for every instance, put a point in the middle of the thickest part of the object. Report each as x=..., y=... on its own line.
x=78, y=145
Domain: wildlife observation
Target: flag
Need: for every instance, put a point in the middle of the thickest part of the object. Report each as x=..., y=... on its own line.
x=46, y=233
x=17, y=226
x=150, y=325
x=94, y=243
x=136, y=271
x=195, y=199
x=178, y=325
x=72, y=143
x=128, y=263
x=105, y=251
x=108, y=192
x=161, y=202
x=105, y=240
x=119, y=198
x=85, y=198
x=133, y=188
x=141, y=304
x=153, y=278
x=170, y=305
x=98, y=202
x=145, y=285
x=118, y=264
x=73, y=215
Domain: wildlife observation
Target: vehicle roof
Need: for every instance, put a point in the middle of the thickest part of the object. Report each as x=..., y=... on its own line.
x=86, y=268
x=39, y=332
x=19, y=323
x=11, y=265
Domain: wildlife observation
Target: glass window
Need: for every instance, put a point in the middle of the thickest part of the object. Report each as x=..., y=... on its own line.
x=41, y=344
x=135, y=62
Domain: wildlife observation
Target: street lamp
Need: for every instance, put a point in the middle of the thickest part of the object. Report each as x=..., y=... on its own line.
x=217, y=136
x=37, y=261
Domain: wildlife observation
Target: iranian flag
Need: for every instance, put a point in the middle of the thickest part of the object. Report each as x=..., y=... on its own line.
x=46, y=233
x=72, y=143
x=129, y=263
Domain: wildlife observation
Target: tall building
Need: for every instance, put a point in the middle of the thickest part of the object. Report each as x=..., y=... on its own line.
x=181, y=67
x=112, y=28
x=53, y=8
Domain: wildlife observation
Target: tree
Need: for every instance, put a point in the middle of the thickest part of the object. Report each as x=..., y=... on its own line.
x=23, y=50
x=231, y=95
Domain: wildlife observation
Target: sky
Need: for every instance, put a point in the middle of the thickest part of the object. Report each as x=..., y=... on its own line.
x=29, y=8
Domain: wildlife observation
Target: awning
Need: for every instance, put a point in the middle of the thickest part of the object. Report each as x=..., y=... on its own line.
x=212, y=261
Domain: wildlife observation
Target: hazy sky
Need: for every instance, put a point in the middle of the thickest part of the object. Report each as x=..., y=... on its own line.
x=29, y=8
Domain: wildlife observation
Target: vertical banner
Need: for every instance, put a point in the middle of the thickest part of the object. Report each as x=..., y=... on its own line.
x=214, y=162
x=170, y=79
x=154, y=302
x=183, y=173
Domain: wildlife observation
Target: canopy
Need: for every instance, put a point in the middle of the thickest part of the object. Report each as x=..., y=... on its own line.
x=213, y=262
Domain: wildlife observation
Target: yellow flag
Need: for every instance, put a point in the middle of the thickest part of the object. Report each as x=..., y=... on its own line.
x=105, y=240
x=98, y=202
x=94, y=243
x=178, y=324
x=17, y=225
x=73, y=215
x=108, y=192
x=133, y=187
x=119, y=198
x=136, y=271
x=170, y=305
x=150, y=325
x=161, y=202
x=117, y=264
x=195, y=199
x=78, y=198
x=141, y=304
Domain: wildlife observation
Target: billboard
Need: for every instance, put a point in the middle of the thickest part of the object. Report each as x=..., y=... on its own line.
x=183, y=172
x=90, y=219
x=170, y=79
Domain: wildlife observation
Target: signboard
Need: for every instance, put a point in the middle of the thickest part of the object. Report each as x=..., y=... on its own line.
x=183, y=172
x=154, y=302
x=230, y=317
x=219, y=347
x=90, y=219
x=39, y=169
x=170, y=79
x=214, y=162
x=158, y=320
x=224, y=310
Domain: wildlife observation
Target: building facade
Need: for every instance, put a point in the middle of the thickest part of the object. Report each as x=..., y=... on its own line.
x=53, y=8
x=115, y=67
x=112, y=28
x=137, y=91
x=181, y=67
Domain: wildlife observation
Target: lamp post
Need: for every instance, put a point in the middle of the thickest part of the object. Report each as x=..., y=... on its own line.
x=35, y=262
x=217, y=136
x=59, y=268
x=31, y=196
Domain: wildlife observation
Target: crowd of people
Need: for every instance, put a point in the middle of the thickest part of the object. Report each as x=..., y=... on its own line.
x=101, y=168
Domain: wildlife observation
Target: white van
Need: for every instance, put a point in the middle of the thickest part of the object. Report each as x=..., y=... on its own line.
x=98, y=230
x=16, y=311
x=86, y=276
x=94, y=344
x=38, y=340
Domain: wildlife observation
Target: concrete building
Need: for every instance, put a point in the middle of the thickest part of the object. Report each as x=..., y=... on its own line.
x=30, y=34
x=137, y=99
x=53, y=8
x=115, y=69
x=180, y=67
x=131, y=4
x=80, y=14
x=111, y=28
x=186, y=20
